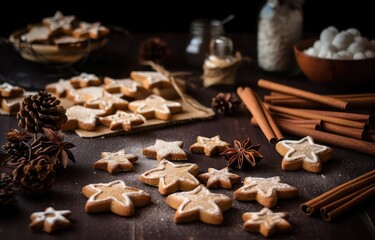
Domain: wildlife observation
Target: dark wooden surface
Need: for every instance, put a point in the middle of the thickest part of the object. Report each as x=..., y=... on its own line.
x=155, y=221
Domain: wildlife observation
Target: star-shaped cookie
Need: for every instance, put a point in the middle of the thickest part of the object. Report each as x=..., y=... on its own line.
x=115, y=162
x=123, y=120
x=303, y=154
x=90, y=30
x=266, y=222
x=171, y=177
x=50, y=220
x=85, y=80
x=59, y=22
x=199, y=204
x=155, y=106
x=8, y=90
x=115, y=197
x=151, y=79
x=126, y=86
x=59, y=88
x=82, y=118
x=108, y=103
x=209, y=146
x=264, y=190
x=80, y=96
x=219, y=178
x=165, y=150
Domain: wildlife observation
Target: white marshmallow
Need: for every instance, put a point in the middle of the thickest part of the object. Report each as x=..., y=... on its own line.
x=370, y=54
x=317, y=45
x=328, y=34
x=311, y=51
x=358, y=56
x=356, y=47
x=345, y=55
x=354, y=32
x=342, y=40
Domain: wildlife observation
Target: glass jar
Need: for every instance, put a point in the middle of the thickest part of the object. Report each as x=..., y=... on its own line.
x=279, y=28
x=200, y=35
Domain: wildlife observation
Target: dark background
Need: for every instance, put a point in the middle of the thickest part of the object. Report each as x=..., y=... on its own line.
x=175, y=15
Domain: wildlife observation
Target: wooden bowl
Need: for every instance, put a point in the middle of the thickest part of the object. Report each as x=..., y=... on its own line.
x=54, y=54
x=332, y=71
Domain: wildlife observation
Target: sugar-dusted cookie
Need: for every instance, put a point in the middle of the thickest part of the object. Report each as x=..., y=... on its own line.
x=155, y=106
x=85, y=80
x=123, y=120
x=126, y=86
x=80, y=96
x=165, y=150
x=171, y=177
x=59, y=88
x=60, y=23
x=151, y=79
x=36, y=33
x=266, y=222
x=303, y=154
x=108, y=103
x=219, y=178
x=12, y=104
x=90, y=30
x=199, y=204
x=50, y=220
x=264, y=190
x=67, y=40
x=82, y=118
x=115, y=197
x=209, y=146
x=115, y=162
x=9, y=90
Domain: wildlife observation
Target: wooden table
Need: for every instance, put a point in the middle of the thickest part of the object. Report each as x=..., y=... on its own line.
x=155, y=221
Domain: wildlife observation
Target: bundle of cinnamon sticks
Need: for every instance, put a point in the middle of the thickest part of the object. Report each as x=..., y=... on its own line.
x=338, y=128
x=339, y=200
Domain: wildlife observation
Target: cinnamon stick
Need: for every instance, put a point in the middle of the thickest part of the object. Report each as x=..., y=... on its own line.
x=344, y=115
x=282, y=115
x=345, y=97
x=329, y=101
x=314, y=126
x=332, y=139
x=340, y=206
x=309, y=115
x=310, y=207
x=352, y=103
x=251, y=102
x=275, y=129
x=343, y=131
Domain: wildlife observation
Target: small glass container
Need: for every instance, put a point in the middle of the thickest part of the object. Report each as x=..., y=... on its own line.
x=201, y=33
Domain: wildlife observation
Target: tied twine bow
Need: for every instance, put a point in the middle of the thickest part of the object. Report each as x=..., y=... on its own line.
x=172, y=79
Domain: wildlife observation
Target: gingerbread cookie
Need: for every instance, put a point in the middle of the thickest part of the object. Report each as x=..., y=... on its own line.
x=155, y=106
x=59, y=88
x=66, y=40
x=209, y=146
x=12, y=105
x=151, y=79
x=266, y=222
x=115, y=197
x=80, y=96
x=36, y=33
x=303, y=154
x=126, y=86
x=50, y=220
x=90, y=30
x=123, y=120
x=264, y=190
x=165, y=150
x=115, y=162
x=171, y=177
x=108, y=103
x=8, y=90
x=199, y=204
x=85, y=80
x=60, y=23
x=82, y=118
x=219, y=178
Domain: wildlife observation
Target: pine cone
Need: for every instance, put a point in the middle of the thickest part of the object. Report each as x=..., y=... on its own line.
x=16, y=147
x=41, y=110
x=7, y=190
x=35, y=176
x=225, y=103
x=153, y=49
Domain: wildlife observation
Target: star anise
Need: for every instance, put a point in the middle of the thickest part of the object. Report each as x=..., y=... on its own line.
x=16, y=136
x=242, y=154
x=55, y=147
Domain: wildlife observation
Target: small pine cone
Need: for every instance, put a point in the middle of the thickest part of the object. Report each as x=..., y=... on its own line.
x=153, y=49
x=41, y=110
x=225, y=103
x=35, y=176
x=7, y=190
x=16, y=152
